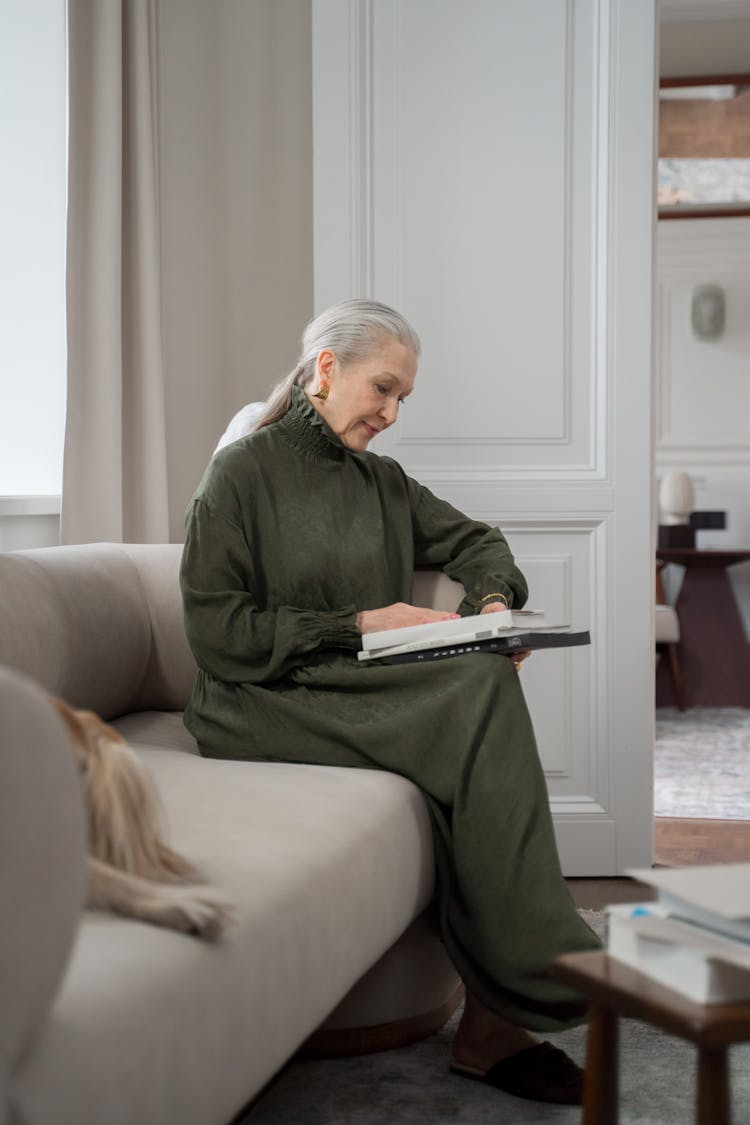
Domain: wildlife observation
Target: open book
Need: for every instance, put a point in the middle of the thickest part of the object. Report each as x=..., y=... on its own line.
x=502, y=632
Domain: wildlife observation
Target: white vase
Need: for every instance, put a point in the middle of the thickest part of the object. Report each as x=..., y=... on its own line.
x=676, y=497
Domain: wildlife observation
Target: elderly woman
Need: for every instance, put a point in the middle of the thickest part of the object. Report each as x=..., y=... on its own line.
x=299, y=541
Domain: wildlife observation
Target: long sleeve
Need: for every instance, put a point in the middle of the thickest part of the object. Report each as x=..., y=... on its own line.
x=471, y=552
x=231, y=636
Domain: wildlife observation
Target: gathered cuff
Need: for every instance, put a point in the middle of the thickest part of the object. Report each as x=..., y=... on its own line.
x=340, y=629
x=476, y=599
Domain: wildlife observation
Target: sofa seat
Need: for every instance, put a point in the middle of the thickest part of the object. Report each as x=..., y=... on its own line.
x=109, y=1021
x=306, y=854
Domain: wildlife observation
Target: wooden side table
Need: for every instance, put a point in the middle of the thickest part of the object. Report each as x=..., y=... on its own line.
x=615, y=990
x=714, y=649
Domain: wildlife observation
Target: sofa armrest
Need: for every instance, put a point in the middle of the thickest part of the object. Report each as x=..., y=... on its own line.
x=171, y=670
x=42, y=862
x=435, y=589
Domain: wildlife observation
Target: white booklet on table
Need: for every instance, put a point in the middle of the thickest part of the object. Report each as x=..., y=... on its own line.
x=701, y=964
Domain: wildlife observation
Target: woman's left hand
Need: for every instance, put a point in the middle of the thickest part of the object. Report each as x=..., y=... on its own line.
x=497, y=607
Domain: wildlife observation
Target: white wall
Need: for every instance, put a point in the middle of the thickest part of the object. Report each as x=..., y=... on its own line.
x=29, y=521
x=702, y=387
x=690, y=48
x=236, y=214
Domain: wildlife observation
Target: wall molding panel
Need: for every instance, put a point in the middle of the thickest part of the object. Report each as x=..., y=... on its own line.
x=494, y=185
x=702, y=388
x=365, y=249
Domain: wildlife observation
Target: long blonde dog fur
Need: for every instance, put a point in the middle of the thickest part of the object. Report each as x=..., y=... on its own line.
x=129, y=867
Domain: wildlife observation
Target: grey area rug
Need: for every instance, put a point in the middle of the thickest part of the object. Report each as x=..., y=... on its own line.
x=413, y=1085
x=702, y=763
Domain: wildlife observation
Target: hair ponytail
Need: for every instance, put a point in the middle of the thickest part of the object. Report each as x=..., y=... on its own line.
x=280, y=399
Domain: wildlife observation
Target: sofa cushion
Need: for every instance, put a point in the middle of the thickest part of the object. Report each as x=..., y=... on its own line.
x=326, y=867
x=76, y=620
x=100, y=625
x=164, y=730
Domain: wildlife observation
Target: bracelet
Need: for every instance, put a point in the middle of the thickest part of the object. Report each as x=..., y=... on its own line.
x=491, y=597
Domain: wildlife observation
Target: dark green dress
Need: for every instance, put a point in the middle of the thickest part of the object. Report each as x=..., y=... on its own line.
x=288, y=536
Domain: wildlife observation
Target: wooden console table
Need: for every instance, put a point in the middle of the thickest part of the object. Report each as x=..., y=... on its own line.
x=714, y=650
x=615, y=990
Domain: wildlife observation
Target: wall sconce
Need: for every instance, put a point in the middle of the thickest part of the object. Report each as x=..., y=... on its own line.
x=708, y=312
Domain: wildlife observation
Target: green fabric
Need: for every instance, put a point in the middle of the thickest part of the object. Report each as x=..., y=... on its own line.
x=288, y=536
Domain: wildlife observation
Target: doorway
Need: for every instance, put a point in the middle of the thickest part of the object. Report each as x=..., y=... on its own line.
x=702, y=413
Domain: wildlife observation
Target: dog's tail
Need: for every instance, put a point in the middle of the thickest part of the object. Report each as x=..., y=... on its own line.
x=125, y=818
x=123, y=805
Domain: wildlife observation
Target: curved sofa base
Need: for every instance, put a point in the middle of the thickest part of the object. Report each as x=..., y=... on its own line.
x=383, y=1037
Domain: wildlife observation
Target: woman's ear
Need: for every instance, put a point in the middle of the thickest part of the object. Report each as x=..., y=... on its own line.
x=326, y=363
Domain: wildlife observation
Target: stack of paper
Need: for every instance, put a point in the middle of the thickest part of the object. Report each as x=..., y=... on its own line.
x=695, y=938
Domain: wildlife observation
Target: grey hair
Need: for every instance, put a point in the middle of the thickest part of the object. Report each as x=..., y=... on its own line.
x=352, y=330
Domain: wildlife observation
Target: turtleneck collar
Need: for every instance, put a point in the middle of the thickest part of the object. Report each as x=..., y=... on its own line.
x=309, y=433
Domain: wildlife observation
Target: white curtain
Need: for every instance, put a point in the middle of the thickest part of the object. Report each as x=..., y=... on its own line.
x=115, y=462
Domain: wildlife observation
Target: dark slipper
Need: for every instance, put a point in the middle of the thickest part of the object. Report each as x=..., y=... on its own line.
x=542, y=1073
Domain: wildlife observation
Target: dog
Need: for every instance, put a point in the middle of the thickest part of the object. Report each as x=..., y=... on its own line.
x=129, y=868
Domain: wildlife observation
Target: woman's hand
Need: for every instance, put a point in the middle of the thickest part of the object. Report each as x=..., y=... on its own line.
x=517, y=657
x=493, y=607
x=399, y=614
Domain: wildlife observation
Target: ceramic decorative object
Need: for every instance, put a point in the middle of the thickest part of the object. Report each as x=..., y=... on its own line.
x=676, y=497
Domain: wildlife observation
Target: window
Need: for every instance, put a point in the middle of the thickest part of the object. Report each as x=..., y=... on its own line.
x=33, y=125
x=704, y=147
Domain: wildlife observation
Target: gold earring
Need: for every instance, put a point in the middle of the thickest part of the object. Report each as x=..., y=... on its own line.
x=323, y=393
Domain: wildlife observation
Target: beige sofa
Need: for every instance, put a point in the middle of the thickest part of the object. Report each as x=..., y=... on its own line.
x=107, y=1020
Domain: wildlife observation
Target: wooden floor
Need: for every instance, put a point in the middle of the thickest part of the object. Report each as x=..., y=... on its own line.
x=677, y=843
x=595, y=894
x=681, y=842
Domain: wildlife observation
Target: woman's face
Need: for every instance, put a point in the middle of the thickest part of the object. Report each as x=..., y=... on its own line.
x=364, y=397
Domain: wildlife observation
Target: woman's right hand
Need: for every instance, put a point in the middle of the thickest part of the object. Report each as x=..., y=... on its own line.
x=397, y=615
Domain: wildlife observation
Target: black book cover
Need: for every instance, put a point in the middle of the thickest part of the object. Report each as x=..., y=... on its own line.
x=533, y=639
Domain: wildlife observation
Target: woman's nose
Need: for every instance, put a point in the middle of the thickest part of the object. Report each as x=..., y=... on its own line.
x=390, y=411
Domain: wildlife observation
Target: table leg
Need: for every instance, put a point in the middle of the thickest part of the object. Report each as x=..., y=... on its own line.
x=713, y=1088
x=600, y=1082
x=714, y=651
